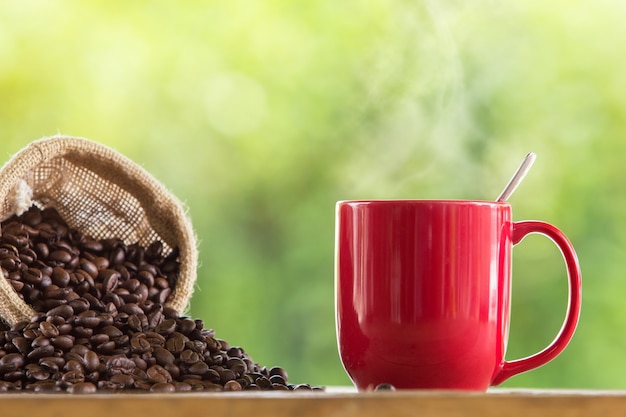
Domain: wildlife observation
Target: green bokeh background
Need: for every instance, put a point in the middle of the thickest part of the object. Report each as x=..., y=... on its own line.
x=260, y=115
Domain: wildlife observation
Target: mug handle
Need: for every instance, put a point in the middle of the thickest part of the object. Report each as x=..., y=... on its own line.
x=520, y=230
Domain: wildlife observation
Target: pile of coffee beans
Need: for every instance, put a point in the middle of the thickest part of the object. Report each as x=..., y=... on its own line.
x=101, y=323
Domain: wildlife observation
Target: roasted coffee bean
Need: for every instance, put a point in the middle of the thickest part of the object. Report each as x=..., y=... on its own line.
x=110, y=279
x=123, y=381
x=189, y=357
x=263, y=383
x=278, y=371
x=120, y=364
x=176, y=343
x=198, y=368
x=91, y=360
x=89, y=267
x=74, y=364
x=87, y=321
x=22, y=344
x=60, y=256
x=139, y=344
x=277, y=379
x=32, y=276
x=163, y=387
x=91, y=245
x=43, y=386
x=181, y=386
x=232, y=385
x=65, y=311
x=73, y=377
x=163, y=356
x=40, y=352
x=40, y=341
x=186, y=326
x=162, y=296
x=63, y=342
x=106, y=348
x=111, y=331
x=52, y=363
x=98, y=339
x=79, y=305
x=11, y=362
x=166, y=327
x=157, y=373
x=82, y=388
x=48, y=329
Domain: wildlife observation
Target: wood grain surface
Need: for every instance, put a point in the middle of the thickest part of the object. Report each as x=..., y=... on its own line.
x=511, y=403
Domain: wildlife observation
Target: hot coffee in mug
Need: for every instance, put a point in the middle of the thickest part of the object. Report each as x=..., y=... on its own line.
x=422, y=292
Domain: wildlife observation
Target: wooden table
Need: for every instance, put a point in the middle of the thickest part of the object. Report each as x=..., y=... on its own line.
x=333, y=402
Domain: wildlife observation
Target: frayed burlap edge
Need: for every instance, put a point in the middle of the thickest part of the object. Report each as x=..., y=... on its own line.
x=163, y=211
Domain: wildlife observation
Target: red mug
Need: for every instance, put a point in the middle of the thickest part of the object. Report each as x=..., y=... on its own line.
x=422, y=293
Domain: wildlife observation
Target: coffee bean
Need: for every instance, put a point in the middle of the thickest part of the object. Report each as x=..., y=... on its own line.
x=40, y=352
x=11, y=362
x=91, y=245
x=163, y=295
x=181, y=386
x=82, y=388
x=33, y=276
x=43, y=386
x=384, y=387
x=155, y=318
x=263, y=383
x=65, y=311
x=157, y=373
x=123, y=381
x=176, y=343
x=60, y=256
x=110, y=279
x=91, y=360
x=117, y=256
x=88, y=322
x=73, y=377
x=277, y=379
x=166, y=327
x=279, y=372
x=89, y=267
x=163, y=356
x=238, y=366
x=36, y=372
x=106, y=348
x=120, y=364
x=50, y=364
x=63, y=342
x=112, y=332
x=48, y=329
x=232, y=385
x=79, y=305
x=163, y=387
x=22, y=344
x=40, y=341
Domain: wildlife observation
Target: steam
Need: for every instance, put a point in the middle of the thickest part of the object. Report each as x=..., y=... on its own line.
x=419, y=144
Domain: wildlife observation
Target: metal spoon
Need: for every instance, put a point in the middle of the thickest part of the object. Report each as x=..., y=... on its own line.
x=517, y=177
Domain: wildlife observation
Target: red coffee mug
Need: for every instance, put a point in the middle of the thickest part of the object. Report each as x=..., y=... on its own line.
x=422, y=292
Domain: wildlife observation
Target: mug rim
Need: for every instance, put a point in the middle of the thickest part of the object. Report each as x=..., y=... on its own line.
x=426, y=201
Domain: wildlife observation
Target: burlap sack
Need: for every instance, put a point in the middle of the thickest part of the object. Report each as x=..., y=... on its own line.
x=101, y=193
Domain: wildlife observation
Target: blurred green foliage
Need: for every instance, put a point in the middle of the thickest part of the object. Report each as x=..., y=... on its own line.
x=260, y=115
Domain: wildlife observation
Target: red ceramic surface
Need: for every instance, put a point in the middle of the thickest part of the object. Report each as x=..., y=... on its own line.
x=422, y=292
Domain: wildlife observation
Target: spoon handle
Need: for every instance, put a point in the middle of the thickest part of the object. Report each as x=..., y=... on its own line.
x=517, y=177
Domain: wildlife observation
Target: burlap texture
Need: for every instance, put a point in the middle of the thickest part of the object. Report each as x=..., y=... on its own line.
x=101, y=193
